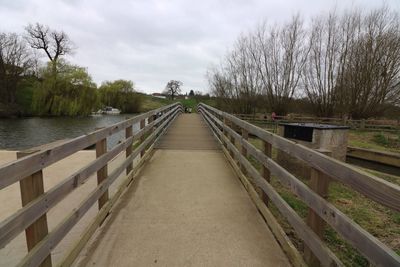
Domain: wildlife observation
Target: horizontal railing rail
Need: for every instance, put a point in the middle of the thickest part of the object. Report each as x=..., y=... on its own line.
x=366, y=124
x=227, y=127
x=136, y=144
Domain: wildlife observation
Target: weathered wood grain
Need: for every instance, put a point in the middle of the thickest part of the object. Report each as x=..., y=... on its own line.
x=372, y=248
x=32, y=187
x=38, y=253
x=323, y=253
x=20, y=220
x=101, y=149
x=377, y=189
x=14, y=171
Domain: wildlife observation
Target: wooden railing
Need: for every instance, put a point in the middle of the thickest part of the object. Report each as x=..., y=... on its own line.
x=233, y=134
x=27, y=170
x=368, y=124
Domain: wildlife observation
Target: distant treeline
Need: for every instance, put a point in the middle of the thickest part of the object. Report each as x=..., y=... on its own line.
x=56, y=88
x=345, y=64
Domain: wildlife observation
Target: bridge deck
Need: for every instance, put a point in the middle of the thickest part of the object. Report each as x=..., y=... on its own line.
x=187, y=209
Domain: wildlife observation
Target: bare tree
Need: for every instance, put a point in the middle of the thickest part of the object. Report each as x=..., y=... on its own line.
x=15, y=61
x=371, y=76
x=321, y=71
x=54, y=43
x=347, y=65
x=173, y=88
x=279, y=54
x=264, y=65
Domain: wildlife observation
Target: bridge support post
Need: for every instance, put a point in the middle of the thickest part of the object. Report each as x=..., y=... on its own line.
x=128, y=151
x=143, y=137
x=319, y=183
x=150, y=120
x=245, y=136
x=267, y=149
x=32, y=187
x=101, y=148
x=229, y=137
x=225, y=133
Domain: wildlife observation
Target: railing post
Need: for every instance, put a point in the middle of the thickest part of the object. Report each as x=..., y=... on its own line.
x=229, y=124
x=128, y=151
x=101, y=148
x=267, y=149
x=225, y=132
x=143, y=137
x=31, y=188
x=319, y=183
x=245, y=136
x=362, y=124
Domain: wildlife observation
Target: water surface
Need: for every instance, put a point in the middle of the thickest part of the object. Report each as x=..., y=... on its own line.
x=23, y=133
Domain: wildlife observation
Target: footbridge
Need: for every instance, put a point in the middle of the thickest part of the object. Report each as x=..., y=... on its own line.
x=181, y=190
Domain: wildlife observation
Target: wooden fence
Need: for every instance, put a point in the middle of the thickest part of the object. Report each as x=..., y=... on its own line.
x=233, y=134
x=370, y=124
x=27, y=170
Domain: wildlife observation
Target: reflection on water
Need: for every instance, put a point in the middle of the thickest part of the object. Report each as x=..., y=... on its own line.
x=23, y=133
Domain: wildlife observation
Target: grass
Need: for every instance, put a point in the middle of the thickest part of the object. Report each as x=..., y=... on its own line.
x=150, y=102
x=383, y=141
x=378, y=220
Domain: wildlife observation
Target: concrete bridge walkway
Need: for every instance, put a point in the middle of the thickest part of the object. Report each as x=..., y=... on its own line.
x=187, y=208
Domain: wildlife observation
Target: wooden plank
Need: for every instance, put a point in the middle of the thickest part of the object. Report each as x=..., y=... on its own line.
x=323, y=253
x=383, y=157
x=224, y=132
x=319, y=183
x=70, y=257
x=287, y=246
x=73, y=253
x=142, y=125
x=377, y=189
x=372, y=248
x=128, y=151
x=14, y=224
x=290, y=250
x=37, y=254
x=14, y=171
x=17, y=222
x=101, y=148
x=32, y=187
x=267, y=149
x=245, y=136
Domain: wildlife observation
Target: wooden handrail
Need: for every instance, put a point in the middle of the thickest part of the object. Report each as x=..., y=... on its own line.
x=32, y=211
x=357, y=124
x=36, y=256
x=16, y=170
x=375, y=188
x=373, y=249
x=20, y=220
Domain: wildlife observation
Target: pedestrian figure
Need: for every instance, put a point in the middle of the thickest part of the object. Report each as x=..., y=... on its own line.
x=273, y=116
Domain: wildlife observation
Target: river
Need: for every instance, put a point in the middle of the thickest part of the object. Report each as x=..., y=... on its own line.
x=23, y=133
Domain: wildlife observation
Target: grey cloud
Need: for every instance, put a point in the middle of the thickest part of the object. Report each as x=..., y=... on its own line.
x=151, y=42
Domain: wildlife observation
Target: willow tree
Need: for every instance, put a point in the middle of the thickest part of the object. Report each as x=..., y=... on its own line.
x=75, y=93
x=120, y=94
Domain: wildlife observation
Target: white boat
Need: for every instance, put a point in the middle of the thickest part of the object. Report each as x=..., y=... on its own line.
x=108, y=111
x=111, y=110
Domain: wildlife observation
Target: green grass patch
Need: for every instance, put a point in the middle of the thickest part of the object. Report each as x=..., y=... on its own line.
x=378, y=220
x=383, y=141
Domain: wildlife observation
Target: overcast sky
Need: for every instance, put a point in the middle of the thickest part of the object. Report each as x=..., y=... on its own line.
x=153, y=41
